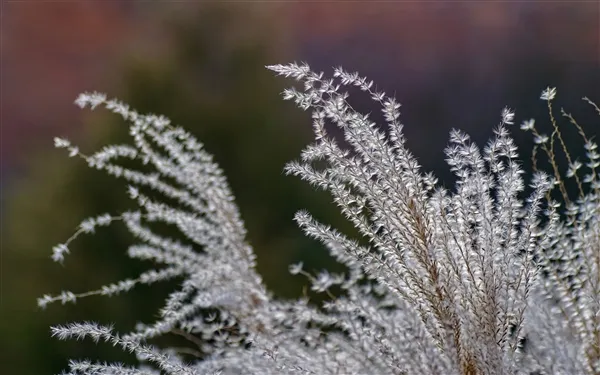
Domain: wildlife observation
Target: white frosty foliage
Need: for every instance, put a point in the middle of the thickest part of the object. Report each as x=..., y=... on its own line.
x=445, y=282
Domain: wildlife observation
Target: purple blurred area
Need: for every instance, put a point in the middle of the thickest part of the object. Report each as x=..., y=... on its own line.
x=451, y=64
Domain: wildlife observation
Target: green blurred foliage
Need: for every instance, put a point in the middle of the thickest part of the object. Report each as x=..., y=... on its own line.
x=211, y=80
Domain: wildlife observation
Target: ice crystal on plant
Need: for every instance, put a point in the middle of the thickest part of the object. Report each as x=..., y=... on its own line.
x=444, y=281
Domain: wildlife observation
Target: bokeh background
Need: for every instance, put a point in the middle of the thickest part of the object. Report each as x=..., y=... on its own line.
x=450, y=64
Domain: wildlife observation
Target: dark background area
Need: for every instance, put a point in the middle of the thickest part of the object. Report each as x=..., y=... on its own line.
x=451, y=65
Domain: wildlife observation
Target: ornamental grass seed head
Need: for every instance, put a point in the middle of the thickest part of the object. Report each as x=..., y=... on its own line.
x=484, y=278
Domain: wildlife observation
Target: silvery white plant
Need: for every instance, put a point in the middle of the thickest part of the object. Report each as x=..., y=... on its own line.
x=441, y=282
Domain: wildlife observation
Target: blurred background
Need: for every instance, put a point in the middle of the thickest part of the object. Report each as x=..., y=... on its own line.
x=451, y=65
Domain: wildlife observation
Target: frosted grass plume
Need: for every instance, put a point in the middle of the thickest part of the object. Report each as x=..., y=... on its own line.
x=443, y=281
